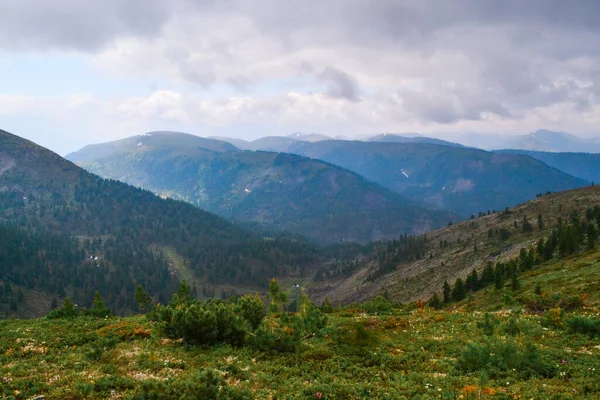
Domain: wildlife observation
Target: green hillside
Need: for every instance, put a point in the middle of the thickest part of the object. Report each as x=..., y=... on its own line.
x=582, y=165
x=60, y=215
x=414, y=269
x=283, y=191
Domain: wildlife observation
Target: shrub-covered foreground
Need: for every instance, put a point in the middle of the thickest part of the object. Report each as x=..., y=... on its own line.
x=403, y=352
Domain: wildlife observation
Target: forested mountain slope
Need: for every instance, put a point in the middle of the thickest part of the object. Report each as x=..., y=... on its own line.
x=464, y=181
x=285, y=191
x=582, y=165
x=135, y=235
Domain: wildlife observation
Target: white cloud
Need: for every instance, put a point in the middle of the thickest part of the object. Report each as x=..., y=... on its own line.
x=15, y=104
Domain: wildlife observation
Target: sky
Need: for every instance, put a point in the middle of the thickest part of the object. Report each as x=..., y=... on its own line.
x=77, y=72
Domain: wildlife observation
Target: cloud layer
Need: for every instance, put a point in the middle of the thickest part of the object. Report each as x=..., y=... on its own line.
x=337, y=66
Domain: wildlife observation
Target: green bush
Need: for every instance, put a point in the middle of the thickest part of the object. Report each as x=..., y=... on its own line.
x=488, y=325
x=284, y=334
x=99, y=346
x=68, y=310
x=203, y=322
x=252, y=309
x=585, y=325
x=540, y=303
x=378, y=306
x=203, y=384
x=356, y=335
x=497, y=358
x=98, y=308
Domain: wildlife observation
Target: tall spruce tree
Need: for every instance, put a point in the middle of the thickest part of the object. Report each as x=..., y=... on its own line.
x=459, y=292
x=447, y=291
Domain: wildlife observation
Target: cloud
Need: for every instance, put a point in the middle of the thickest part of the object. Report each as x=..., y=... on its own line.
x=341, y=64
x=15, y=104
x=340, y=84
x=78, y=25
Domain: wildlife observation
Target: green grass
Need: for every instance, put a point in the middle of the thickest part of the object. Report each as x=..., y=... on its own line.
x=376, y=351
x=407, y=354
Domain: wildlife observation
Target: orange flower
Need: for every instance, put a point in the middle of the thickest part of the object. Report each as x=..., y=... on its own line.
x=489, y=391
x=470, y=389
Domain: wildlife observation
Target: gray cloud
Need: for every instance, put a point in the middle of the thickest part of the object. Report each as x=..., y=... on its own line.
x=435, y=61
x=340, y=84
x=80, y=25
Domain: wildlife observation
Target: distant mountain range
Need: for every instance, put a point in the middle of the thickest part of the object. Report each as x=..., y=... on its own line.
x=288, y=192
x=539, y=140
x=550, y=141
x=393, y=138
x=462, y=180
x=582, y=165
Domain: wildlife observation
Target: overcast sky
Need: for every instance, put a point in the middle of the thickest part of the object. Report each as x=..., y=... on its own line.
x=75, y=72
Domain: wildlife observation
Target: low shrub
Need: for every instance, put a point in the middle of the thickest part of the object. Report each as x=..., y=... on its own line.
x=284, y=334
x=203, y=322
x=585, y=325
x=488, y=325
x=378, y=306
x=498, y=357
x=541, y=303
x=202, y=384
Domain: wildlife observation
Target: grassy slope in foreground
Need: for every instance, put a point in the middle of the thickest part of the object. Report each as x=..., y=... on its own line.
x=400, y=353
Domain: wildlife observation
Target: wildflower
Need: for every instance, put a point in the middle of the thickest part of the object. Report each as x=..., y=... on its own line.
x=319, y=395
x=564, y=362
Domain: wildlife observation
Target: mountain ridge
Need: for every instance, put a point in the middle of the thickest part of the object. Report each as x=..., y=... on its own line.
x=290, y=192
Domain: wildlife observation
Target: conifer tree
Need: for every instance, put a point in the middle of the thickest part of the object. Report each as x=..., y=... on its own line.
x=459, y=292
x=514, y=283
x=326, y=307
x=98, y=307
x=472, y=282
x=143, y=299
x=447, y=292
x=435, y=302
x=498, y=278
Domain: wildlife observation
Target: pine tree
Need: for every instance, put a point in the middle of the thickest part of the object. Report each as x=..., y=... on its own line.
x=540, y=222
x=459, y=292
x=487, y=277
x=435, y=302
x=447, y=292
x=472, y=281
x=278, y=297
x=143, y=299
x=498, y=278
x=514, y=283
x=98, y=307
x=592, y=236
x=326, y=307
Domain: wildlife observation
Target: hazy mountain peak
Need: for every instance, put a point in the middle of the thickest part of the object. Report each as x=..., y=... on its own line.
x=151, y=140
x=410, y=138
x=552, y=141
x=309, y=137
